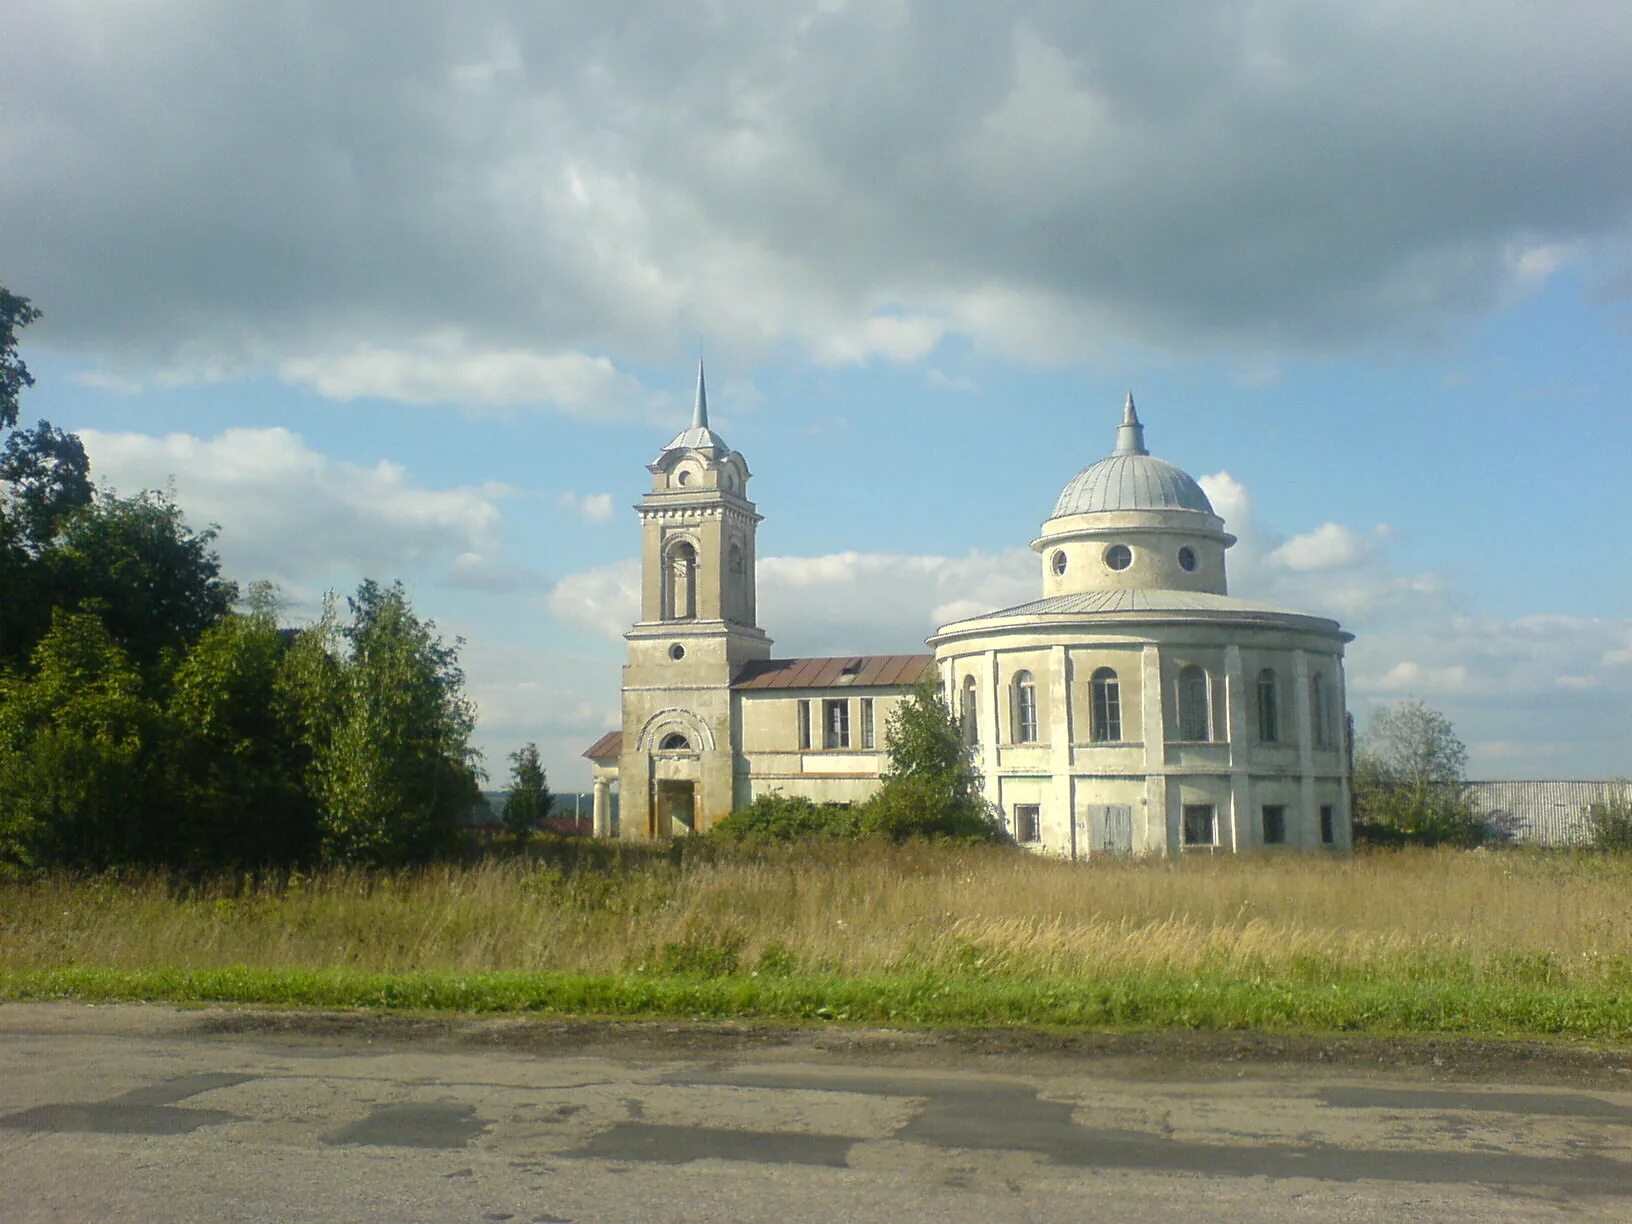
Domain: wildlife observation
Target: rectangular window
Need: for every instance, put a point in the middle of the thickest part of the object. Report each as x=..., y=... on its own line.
x=1026, y=822
x=1328, y=824
x=869, y=737
x=1274, y=824
x=1198, y=824
x=836, y=723
x=804, y=725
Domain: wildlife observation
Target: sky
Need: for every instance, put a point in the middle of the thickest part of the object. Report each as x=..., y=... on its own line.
x=415, y=290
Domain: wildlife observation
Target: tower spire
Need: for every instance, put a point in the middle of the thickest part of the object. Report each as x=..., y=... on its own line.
x=1130, y=435
x=699, y=414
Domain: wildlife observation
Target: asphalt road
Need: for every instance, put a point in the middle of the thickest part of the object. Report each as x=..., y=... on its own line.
x=147, y=1113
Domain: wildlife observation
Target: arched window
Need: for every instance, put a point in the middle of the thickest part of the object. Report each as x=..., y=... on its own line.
x=1269, y=715
x=1320, y=712
x=1105, y=727
x=970, y=712
x=1025, y=708
x=681, y=591
x=1194, y=721
x=674, y=742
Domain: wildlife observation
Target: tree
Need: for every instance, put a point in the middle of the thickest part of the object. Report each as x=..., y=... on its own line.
x=82, y=755
x=931, y=787
x=44, y=476
x=529, y=800
x=383, y=713
x=240, y=779
x=155, y=582
x=15, y=314
x=1409, y=783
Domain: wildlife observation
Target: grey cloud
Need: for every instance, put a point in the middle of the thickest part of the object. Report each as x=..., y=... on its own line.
x=214, y=185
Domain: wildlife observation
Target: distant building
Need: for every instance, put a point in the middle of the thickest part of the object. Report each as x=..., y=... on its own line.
x=1136, y=707
x=1541, y=813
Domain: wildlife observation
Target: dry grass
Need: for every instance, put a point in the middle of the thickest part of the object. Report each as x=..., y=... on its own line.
x=860, y=912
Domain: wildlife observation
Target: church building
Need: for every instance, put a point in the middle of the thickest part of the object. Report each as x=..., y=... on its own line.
x=1136, y=707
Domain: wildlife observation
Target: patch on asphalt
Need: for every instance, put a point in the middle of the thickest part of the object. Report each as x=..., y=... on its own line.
x=652, y=1144
x=438, y=1124
x=141, y=1111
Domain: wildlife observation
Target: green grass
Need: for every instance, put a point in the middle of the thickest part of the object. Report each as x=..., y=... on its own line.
x=1489, y=944
x=1382, y=1008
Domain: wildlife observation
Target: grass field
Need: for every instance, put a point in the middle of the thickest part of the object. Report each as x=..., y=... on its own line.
x=1507, y=943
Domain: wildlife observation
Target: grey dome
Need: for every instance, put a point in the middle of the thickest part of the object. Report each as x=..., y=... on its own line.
x=1131, y=482
x=1131, y=479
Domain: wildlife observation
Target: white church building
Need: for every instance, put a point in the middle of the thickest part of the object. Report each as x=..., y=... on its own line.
x=1136, y=707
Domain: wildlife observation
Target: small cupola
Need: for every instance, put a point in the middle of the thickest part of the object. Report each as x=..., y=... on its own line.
x=1130, y=521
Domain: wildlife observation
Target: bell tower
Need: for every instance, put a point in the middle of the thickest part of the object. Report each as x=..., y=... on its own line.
x=698, y=625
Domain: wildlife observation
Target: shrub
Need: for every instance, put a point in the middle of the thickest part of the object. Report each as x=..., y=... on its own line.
x=787, y=818
x=1609, y=823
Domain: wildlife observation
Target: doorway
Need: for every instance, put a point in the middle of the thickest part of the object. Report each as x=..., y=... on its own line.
x=675, y=813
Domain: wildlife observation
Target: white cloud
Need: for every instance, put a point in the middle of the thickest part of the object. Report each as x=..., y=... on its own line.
x=591, y=507
x=294, y=515
x=949, y=382
x=446, y=369
x=841, y=603
x=1329, y=546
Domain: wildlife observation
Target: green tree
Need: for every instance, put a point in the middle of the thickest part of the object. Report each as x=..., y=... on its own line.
x=931, y=787
x=155, y=582
x=1409, y=779
x=15, y=314
x=529, y=800
x=82, y=755
x=384, y=715
x=241, y=766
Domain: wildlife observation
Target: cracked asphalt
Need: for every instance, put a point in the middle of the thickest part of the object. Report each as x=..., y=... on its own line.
x=154, y=1113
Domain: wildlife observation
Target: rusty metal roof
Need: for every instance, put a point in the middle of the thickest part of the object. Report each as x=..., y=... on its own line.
x=842, y=671
x=609, y=745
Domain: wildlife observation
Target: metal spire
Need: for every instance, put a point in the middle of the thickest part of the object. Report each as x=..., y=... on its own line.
x=1130, y=435
x=699, y=414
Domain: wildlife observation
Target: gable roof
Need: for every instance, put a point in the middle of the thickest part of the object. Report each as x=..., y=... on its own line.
x=842, y=671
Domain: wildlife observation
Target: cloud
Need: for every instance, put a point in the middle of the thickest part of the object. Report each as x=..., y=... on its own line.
x=841, y=603
x=1329, y=546
x=591, y=507
x=296, y=516
x=447, y=370
x=566, y=197
x=1559, y=682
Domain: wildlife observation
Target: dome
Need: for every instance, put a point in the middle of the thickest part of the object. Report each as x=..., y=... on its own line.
x=1131, y=479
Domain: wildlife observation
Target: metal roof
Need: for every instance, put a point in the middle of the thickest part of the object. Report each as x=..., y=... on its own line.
x=1130, y=479
x=843, y=671
x=698, y=436
x=609, y=745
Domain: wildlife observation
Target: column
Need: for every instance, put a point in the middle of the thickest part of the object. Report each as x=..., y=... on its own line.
x=1159, y=832
x=1301, y=712
x=1060, y=750
x=603, y=808
x=1243, y=824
